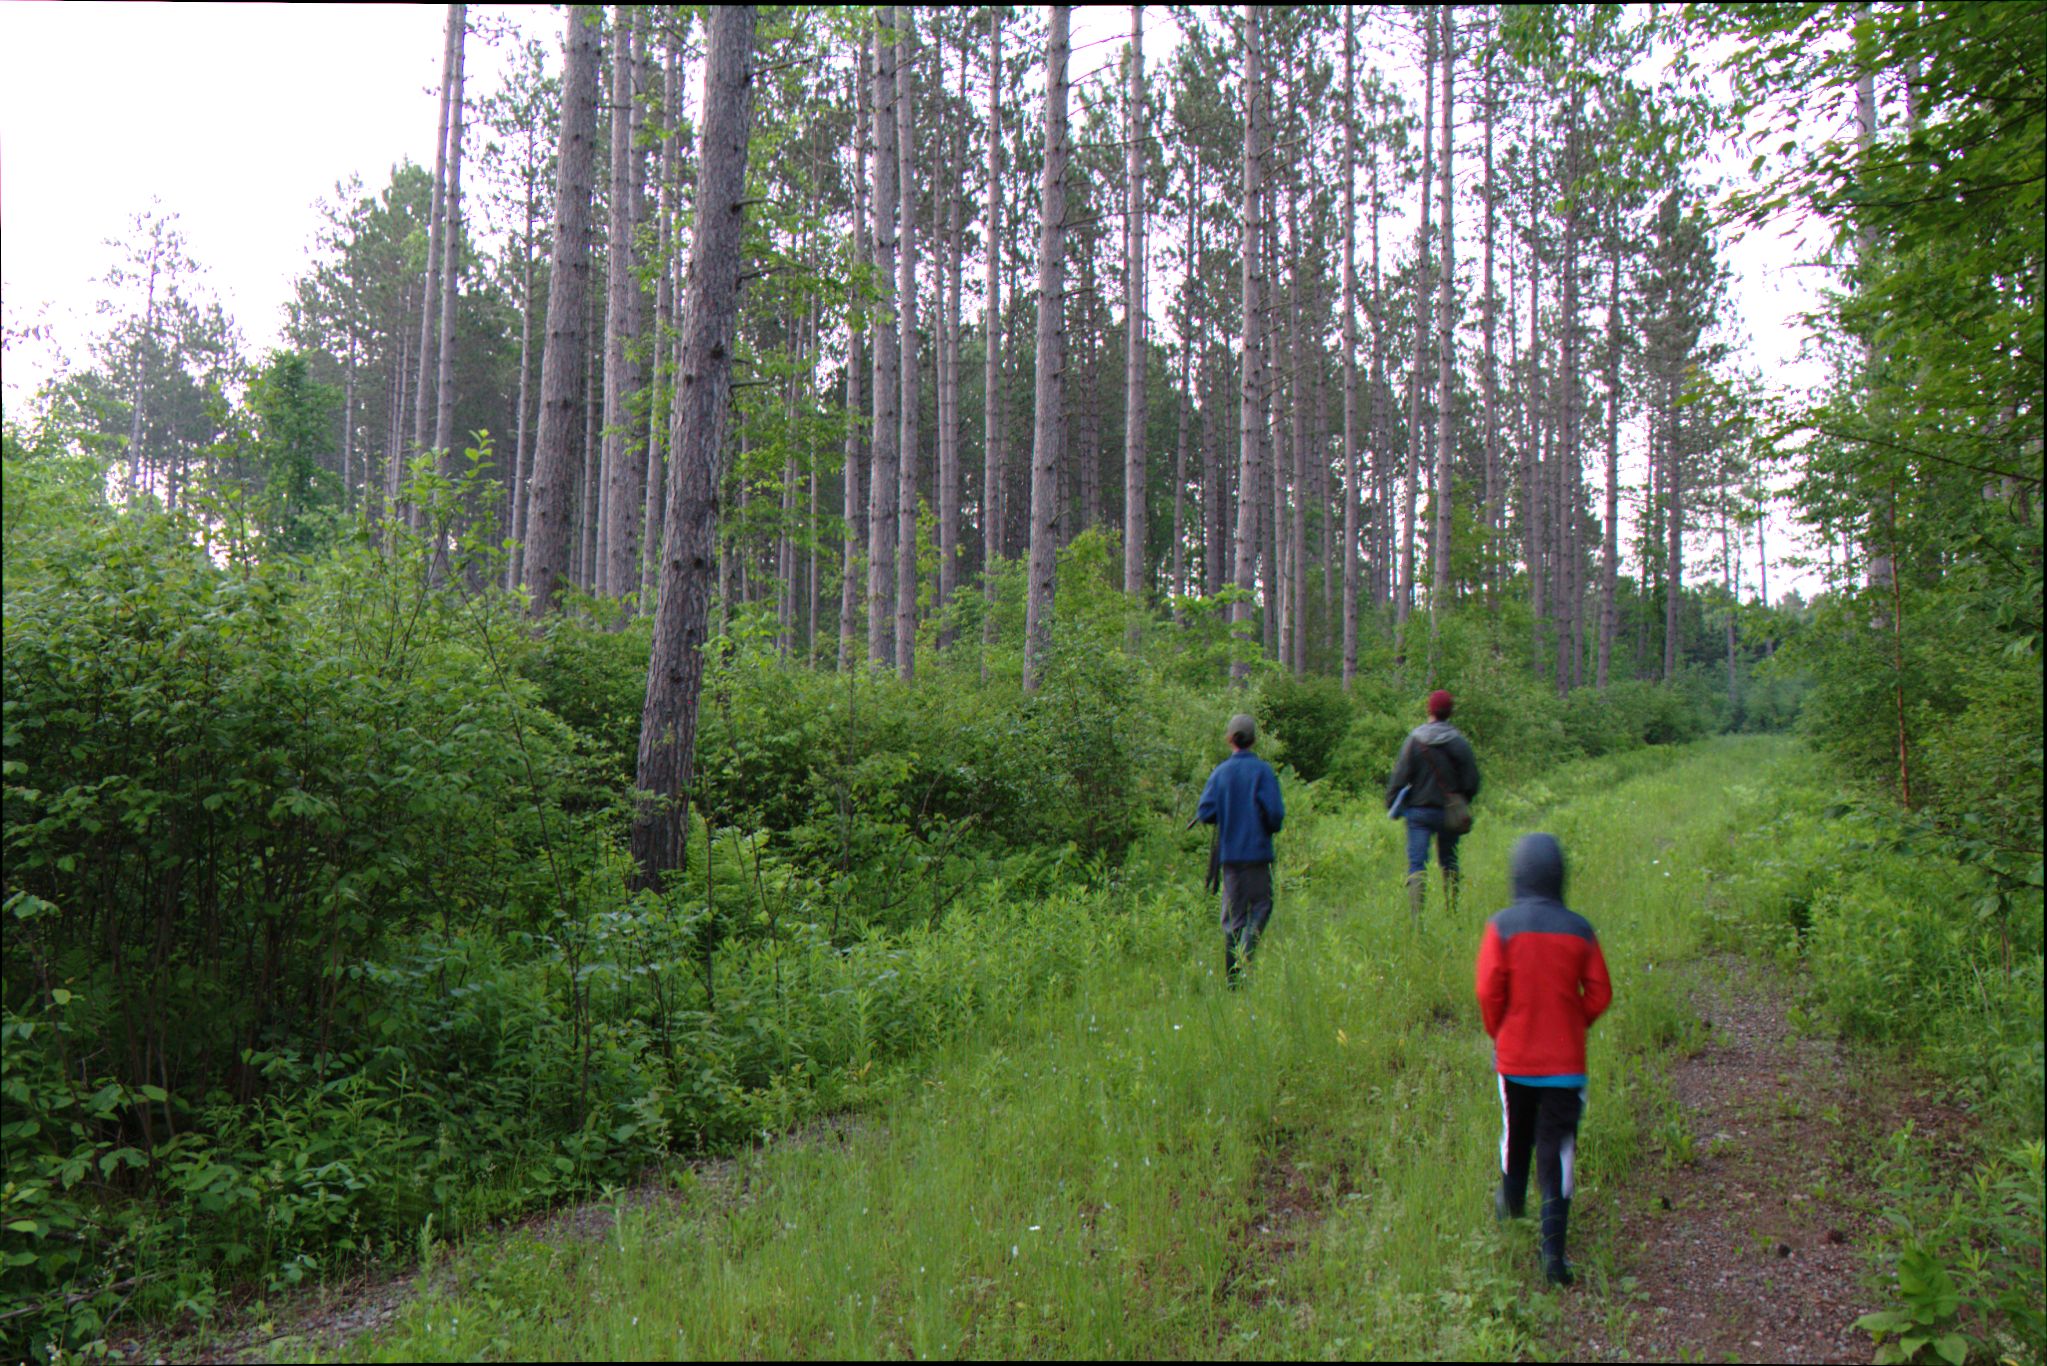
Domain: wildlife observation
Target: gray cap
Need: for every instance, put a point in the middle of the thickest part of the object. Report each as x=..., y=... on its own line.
x=1242, y=729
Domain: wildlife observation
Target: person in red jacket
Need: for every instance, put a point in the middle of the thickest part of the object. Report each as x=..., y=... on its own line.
x=1541, y=983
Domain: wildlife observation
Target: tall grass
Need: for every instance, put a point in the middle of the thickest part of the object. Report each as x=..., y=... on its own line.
x=1147, y=1164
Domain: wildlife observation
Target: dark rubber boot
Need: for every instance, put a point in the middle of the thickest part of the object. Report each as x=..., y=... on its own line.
x=1232, y=972
x=1451, y=879
x=1556, y=1226
x=1417, y=896
x=1510, y=1199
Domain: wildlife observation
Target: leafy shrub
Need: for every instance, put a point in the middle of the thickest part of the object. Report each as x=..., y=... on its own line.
x=1309, y=715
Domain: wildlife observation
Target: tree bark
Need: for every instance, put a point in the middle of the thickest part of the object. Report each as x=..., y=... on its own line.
x=948, y=379
x=451, y=254
x=429, y=299
x=1252, y=379
x=856, y=331
x=554, y=468
x=1404, y=596
x=992, y=473
x=661, y=379
x=623, y=507
x=1352, y=474
x=1135, y=558
x=881, y=487
x=668, y=722
x=906, y=297
x=1049, y=437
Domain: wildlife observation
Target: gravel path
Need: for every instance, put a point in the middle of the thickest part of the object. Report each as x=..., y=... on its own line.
x=1743, y=1243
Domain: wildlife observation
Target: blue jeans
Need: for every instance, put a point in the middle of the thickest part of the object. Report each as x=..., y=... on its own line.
x=1422, y=822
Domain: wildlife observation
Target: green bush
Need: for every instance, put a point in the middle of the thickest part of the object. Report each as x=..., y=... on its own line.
x=1308, y=715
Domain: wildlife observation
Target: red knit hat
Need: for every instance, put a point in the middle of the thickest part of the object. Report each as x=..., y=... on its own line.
x=1440, y=705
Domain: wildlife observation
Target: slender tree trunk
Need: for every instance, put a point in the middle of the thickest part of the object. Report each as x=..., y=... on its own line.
x=593, y=477
x=1352, y=473
x=949, y=381
x=451, y=253
x=661, y=379
x=1494, y=484
x=522, y=467
x=1295, y=648
x=881, y=488
x=1446, y=354
x=552, y=512
x=675, y=675
x=992, y=473
x=1048, y=437
x=1252, y=386
x=1609, y=620
x=1136, y=573
x=856, y=331
x=625, y=458
x=906, y=296
x=429, y=304
x=1404, y=597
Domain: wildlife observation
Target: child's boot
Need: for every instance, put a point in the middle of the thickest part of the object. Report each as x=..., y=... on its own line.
x=1510, y=1199
x=1556, y=1225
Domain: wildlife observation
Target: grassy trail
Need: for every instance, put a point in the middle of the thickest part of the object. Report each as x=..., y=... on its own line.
x=1154, y=1166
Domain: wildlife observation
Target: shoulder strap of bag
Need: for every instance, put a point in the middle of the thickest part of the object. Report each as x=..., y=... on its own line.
x=1430, y=759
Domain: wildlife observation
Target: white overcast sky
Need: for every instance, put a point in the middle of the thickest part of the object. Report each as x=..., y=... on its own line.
x=239, y=117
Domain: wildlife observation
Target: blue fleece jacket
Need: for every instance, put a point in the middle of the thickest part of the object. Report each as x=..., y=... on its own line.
x=1242, y=801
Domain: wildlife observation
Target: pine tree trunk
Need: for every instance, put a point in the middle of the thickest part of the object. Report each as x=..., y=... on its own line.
x=992, y=473
x=1446, y=354
x=1494, y=484
x=1252, y=386
x=1610, y=575
x=906, y=296
x=1404, y=595
x=1352, y=473
x=856, y=332
x=675, y=674
x=625, y=459
x=552, y=513
x=451, y=253
x=1048, y=437
x=430, y=296
x=1135, y=558
x=881, y=488
x=661, y=378
x=522, y=467
x=949, y=384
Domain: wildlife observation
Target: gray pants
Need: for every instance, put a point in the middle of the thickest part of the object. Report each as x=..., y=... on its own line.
x=1247, y=905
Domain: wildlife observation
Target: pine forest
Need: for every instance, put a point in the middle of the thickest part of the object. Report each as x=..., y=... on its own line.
x=632, y=784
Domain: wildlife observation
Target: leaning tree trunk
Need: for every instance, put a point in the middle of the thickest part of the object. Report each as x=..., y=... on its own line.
x=1049, y=439
x=675, y=674
x=552, y=514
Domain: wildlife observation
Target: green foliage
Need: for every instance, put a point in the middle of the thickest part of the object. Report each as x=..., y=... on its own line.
x=1310, y=717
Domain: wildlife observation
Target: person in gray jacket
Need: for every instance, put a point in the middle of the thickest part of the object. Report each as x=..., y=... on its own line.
x=1435, y=757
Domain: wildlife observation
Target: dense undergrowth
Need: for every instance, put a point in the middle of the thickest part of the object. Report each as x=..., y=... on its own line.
x=317, y=942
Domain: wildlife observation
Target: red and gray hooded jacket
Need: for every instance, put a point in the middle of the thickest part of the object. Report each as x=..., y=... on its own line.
x=1541, y=977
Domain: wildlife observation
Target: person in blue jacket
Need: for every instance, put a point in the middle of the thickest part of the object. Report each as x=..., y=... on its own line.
x=1242, y=802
